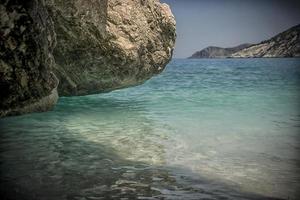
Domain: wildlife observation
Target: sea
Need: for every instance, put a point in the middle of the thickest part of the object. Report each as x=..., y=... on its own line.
x=202, y=129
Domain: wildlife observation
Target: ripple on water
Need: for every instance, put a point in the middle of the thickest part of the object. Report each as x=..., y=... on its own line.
x=204, y=129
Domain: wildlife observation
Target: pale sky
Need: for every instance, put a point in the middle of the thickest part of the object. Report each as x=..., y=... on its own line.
x=226, y=23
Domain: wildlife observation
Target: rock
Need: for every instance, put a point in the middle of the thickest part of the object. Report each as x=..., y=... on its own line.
x=27, y=40
x=105, y=45
x=286, y=44
x=41, y=105
x=218, y=52
x=102, y=45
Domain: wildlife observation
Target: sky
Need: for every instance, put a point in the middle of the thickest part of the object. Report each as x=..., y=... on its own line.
x=227, y=23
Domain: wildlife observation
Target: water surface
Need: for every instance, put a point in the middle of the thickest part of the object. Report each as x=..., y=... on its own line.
x=203, y=129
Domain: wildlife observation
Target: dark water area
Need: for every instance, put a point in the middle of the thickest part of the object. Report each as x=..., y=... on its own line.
x=203, y=129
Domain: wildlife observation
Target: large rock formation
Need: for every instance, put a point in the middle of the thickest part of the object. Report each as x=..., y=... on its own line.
x=102, y=45
x=218, y=52
x=26, y=43
x=285, y=44
x=109, y=44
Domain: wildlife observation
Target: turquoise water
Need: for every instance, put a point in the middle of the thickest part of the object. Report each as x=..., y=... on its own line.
x=203, y=129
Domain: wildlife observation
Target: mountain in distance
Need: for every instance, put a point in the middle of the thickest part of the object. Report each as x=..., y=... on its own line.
x=285, y=44
x=218, y=52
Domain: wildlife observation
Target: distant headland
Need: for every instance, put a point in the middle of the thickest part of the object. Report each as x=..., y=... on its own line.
x=285, y=44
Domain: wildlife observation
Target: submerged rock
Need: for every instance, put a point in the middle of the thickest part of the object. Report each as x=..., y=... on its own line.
x=110, y=44
x=27, y=39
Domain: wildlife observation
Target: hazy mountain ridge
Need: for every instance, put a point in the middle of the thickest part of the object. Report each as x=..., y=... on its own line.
x=285, y=44
x=218, y=52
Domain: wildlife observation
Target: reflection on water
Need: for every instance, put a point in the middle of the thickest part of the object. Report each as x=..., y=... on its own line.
x=205, y=129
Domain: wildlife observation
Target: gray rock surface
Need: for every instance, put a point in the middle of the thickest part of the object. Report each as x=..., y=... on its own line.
x=27, y=39
x=110, y=44
x=102, y=45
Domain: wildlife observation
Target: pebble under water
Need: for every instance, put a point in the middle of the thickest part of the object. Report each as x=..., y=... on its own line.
x=203, y=129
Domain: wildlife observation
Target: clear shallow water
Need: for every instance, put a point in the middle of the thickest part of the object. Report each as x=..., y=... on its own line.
x=203, y=129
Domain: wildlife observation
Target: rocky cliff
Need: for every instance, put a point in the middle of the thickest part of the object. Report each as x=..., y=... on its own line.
x=90, y=46
x=285, y=44
x=27, y=40
x=105, y=45
x=218, y=52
